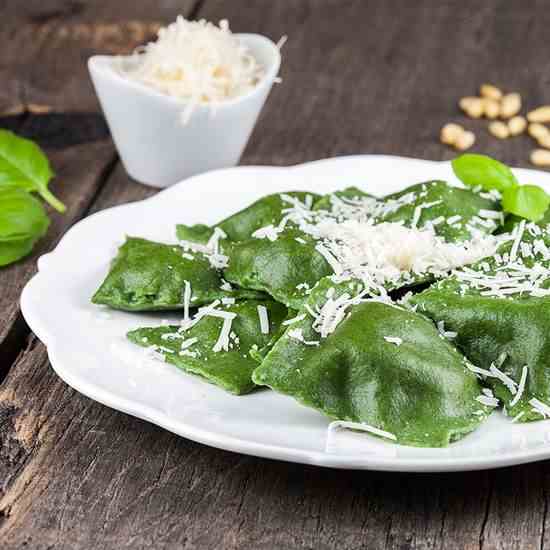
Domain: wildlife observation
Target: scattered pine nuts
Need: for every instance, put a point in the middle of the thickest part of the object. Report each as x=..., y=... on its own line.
x=466, y=140
x=517, y=125
x=494, y=104
x=491, y=92
x=542, y=114
x=450, y=133
x=472, y=106
x=491, y=107
x=499, y=129
x=540, y=157
x=537, y=131
x=510, y=105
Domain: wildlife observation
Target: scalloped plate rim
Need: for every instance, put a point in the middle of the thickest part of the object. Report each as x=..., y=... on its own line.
x=210, y=437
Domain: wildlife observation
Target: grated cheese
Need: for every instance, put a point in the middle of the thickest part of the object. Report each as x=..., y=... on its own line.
x=223, y=339
x=477, y=370
x=186, y=302
x=540, y=407
x=264, y=320
x=389, y=252
x=490, y=214
x=487, y=398
x=517, y=240
x=521, y=386
x=518, y=416
x=519, y=272
x=360, y=426
x=196, y=62
x=448, y=334
x=453, y=219
x=293, y=320
x=269, y=232
x=504, y=378
x=332, y=261
x=298, y=334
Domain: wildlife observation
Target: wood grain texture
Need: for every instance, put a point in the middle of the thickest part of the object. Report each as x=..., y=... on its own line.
x=359, y=77
x=44, y=67
x=384, y=77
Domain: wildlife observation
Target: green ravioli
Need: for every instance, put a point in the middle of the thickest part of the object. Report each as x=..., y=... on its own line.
x=414, y=385
x=286, y=268
x=350, y=196
x=436, y=199
x=148, y=276
x=268, y=210
x=199, y=233
x=285, y=263
x=230, y=369
x=500, y=310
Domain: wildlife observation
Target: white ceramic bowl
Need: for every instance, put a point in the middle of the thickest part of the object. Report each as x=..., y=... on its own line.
x=155, y=146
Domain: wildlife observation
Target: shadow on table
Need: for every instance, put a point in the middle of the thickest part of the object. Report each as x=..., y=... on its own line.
x=58, y=130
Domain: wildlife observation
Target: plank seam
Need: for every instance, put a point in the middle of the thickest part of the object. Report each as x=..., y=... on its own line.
x=486, y=515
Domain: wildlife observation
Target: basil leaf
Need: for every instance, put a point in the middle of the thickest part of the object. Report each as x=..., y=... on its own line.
x=24, y=164
x=22, y=222
x=527, y=201
x=15, y=250
x=484, y=171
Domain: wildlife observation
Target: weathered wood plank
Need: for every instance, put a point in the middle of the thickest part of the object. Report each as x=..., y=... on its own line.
x=383, y=77
x=45, y=65
x=87, y=475
x=358, y=77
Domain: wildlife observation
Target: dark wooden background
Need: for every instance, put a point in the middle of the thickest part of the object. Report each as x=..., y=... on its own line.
x=359, y=77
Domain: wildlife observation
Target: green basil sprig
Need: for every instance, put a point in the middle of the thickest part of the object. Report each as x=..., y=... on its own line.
x=23, y=163
x=24, y=169
x=526, y=201
x=22, y=222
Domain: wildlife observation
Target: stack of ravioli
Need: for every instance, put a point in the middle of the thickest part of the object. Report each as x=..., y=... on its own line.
x=413, y=316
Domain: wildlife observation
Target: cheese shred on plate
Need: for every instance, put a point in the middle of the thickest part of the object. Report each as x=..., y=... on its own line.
x=359, y=426
x=196, y=62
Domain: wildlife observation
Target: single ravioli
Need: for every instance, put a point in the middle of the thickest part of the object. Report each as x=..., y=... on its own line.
x=381, y=365
x=456, y=214
x=268, y=210
x=192, y=350
x=286, y=268
x=148, y=276
x=499, y=310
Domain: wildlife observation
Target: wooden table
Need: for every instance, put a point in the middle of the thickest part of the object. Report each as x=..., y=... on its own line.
x=358, y=77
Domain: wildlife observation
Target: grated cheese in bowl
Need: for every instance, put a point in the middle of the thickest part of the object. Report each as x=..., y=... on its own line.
x=195, y=62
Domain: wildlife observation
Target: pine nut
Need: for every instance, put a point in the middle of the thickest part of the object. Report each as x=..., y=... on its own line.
x=542, y=114
x=450, y=132
x=490, y=91
x=491, y=108
x=38, y=109
x=499, y=129
x=472, y=106
x=536, y=130
x=540, y=157
x=465, y=141
x=544, y=141
x=510, y=106
x=517, y=125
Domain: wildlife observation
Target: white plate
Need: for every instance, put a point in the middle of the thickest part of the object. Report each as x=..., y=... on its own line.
x=87, y=347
